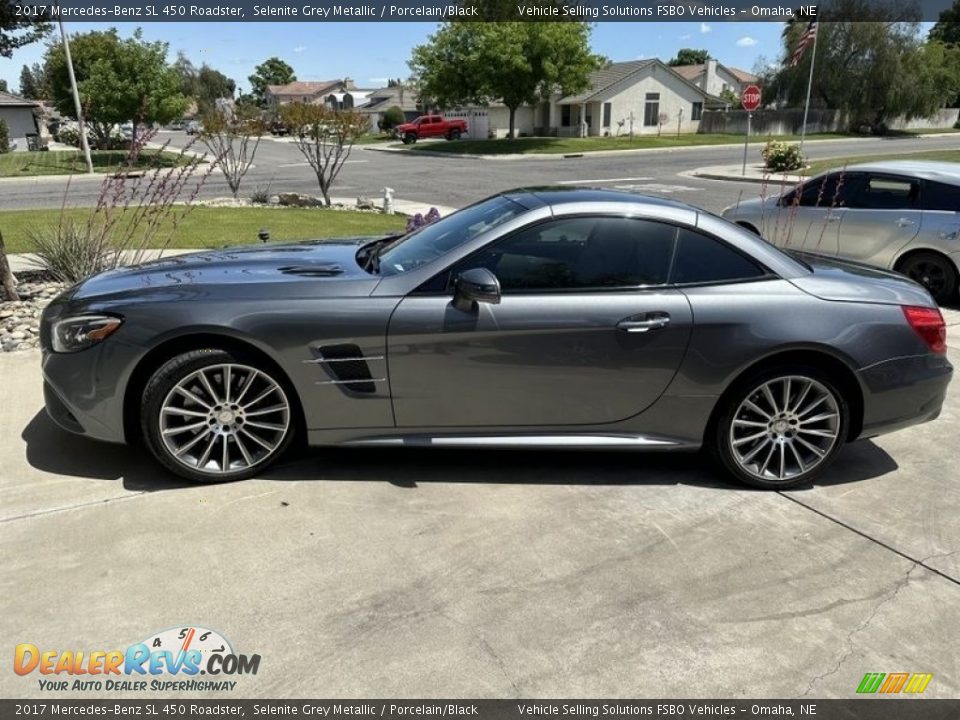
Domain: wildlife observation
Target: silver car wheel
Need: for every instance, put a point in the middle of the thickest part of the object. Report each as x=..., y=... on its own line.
x=224, y=418
x=784, y=428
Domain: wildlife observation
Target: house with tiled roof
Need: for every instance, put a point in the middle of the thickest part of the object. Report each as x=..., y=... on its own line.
x=715, y=77
x=20, y=115
x=638, y=96
x=338, y=94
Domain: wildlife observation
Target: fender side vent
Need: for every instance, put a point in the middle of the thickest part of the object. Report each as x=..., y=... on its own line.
x=346, y=365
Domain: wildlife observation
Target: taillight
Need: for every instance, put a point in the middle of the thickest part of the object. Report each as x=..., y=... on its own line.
x=929, y=325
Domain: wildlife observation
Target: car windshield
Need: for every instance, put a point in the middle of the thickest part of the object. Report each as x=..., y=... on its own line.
x=431, y=241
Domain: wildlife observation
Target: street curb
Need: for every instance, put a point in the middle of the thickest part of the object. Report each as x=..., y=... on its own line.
x=631, y=151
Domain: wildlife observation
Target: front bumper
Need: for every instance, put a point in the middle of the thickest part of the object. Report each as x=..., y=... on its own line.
x=902, y=392
x=83, y=392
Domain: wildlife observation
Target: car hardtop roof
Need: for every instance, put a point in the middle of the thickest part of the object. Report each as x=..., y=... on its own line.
x=554, y=195
x=939, y=171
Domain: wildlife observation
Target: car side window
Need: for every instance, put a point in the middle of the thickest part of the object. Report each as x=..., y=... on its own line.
x=829, y=191
x=580, y=253
x=702, y=259
x=887, y=193
x=941, y=196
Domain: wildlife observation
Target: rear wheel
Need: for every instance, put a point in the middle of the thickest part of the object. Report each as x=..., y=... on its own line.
x=781, y=428
x=213, y=415
x=935, y=272
x=454, y=135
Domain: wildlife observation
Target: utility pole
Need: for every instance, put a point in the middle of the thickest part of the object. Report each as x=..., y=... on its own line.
x=85, y=146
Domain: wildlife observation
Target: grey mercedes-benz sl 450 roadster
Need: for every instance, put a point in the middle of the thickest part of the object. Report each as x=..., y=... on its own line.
x=544, y=317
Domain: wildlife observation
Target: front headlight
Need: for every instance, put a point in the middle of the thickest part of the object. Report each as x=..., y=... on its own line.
x=82, y=331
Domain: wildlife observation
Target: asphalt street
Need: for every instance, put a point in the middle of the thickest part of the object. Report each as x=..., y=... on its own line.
x=457, y=181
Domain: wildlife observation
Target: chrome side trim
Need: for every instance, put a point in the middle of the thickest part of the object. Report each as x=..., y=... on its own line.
x=360, y=358
x=569, y=441
x=349, y=382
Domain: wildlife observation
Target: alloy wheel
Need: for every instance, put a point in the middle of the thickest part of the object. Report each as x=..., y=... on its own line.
x=224, y=418
x=784, y=428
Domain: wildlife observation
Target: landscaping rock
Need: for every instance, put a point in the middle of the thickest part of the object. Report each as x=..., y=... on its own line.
x=292, y=199
x=365, y=204
x=20, y=321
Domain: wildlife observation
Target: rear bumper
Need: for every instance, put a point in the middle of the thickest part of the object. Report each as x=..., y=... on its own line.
x=903, y=392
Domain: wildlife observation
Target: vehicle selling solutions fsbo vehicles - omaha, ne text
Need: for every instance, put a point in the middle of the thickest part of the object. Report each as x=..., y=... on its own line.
x=545, y=317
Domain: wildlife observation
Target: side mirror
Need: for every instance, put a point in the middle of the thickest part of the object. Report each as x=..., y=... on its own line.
x=476, y=285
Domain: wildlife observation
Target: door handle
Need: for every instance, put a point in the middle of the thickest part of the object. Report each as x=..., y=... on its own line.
x=646, y=325
x=905, y=222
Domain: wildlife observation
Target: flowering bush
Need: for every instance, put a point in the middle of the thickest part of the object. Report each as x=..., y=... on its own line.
x=419, y=220
x=782, y=157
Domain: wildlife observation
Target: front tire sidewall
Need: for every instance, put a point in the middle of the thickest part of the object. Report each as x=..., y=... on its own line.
x=172, y=372
x=720, y=444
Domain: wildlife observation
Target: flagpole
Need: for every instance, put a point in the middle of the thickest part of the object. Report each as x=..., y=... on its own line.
x=806, y=106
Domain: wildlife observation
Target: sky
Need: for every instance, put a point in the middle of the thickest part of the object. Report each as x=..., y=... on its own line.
x=372, y=52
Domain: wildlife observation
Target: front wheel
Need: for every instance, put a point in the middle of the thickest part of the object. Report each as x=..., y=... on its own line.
x=781, y=428
x=454, y=135
x=213, y=416
x=935, y=272
x=409, y=138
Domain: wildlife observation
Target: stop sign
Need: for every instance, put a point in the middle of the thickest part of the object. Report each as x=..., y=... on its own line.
x=750, y=99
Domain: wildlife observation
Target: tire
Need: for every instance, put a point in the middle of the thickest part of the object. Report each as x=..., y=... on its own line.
x=934, y=271
x=409, y=138
x=191, y=422
x=763, y=442
x=454, y=135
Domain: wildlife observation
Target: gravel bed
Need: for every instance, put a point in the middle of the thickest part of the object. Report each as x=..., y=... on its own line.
x=20, y=321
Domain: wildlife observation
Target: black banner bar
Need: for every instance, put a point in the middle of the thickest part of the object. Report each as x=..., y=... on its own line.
x=178, y=709
x=144, y=11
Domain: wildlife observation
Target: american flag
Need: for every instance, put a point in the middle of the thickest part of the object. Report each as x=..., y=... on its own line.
x=809, y=35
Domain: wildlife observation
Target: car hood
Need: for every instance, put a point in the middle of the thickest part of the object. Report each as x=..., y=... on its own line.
x=318, y=262
x=750, y=207
x=846, y=281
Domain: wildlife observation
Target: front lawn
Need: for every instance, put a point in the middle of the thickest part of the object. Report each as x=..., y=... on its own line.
x=212, y=227
x=70, y=162
x=565, y=146
x=818, y=166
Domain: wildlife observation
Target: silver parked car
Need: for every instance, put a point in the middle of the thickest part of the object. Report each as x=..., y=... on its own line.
x=546, y=317
x=898, y=215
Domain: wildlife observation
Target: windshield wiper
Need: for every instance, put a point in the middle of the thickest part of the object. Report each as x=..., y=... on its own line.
x=370, y=260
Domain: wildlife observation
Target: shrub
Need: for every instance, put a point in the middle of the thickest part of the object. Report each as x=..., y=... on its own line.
x=260, y=195
x=69, y=136
x=392, y=117
x=133, y=214
x=4, y=137
x=782, y=157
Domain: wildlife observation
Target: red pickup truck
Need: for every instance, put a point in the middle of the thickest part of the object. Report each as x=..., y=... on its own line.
x=428, y=126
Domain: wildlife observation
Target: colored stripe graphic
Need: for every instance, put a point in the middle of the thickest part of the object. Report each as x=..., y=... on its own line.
x=870, y=682
x=918, y=682
x=893, y=683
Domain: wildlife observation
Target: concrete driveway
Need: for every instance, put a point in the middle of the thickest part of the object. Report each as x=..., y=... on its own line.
x=494, y=574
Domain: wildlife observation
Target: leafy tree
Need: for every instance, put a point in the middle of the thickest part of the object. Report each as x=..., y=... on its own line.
x=514, y=63
x=272, y=71
x=232, y=136
x=392, y=117
x=324, y=137
x=3, y=88
x=119, y=80
x=4, y=136
x=947, y=28
x=17, y=31
x=690, y=56
x=205, y=85
x=872, y=69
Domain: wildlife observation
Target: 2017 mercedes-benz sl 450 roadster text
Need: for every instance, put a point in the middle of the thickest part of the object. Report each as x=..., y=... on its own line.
x=544, y=317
